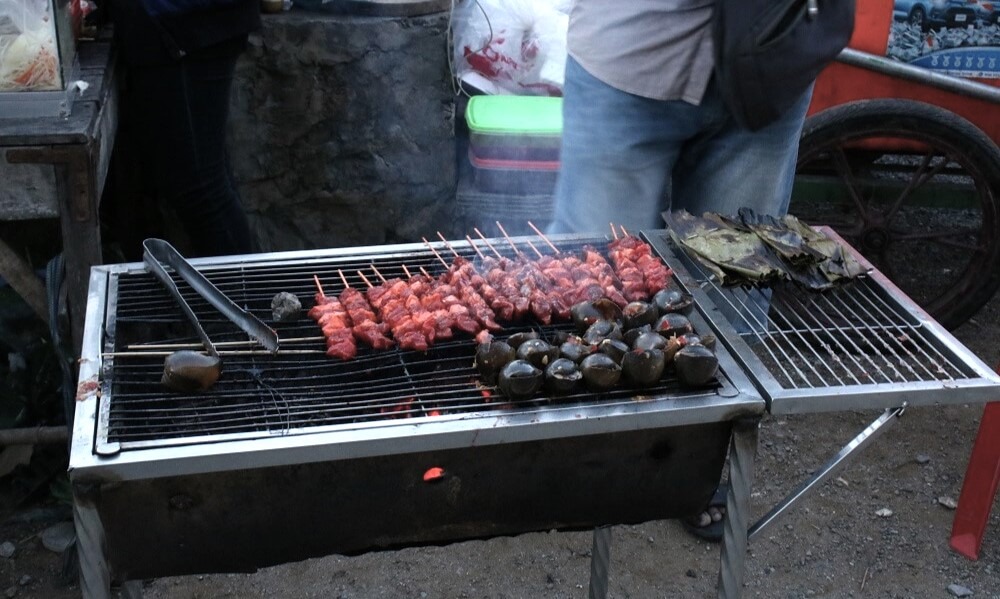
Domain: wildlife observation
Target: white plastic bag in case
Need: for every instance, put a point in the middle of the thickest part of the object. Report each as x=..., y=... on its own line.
x=29, y=54
x=518, y=46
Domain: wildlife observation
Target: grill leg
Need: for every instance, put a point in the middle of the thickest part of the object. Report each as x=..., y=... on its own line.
x=95, y=577
x=600, y=556
x=131, y=589
x=742, y=451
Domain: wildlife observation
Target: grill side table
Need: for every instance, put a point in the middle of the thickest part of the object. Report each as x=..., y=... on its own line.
x=55, y=167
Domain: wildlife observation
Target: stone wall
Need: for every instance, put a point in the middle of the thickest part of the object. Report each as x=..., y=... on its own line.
x=342, y=130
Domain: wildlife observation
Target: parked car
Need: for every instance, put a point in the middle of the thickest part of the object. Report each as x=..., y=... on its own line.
x=927, y=14
x=988, y=11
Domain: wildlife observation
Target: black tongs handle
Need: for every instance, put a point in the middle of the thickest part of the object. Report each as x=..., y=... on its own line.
x=158, y=254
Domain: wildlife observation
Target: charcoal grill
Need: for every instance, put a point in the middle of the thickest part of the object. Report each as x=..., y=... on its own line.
x=295, y=455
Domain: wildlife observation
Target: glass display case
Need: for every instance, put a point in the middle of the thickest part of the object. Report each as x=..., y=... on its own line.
x=37, y=57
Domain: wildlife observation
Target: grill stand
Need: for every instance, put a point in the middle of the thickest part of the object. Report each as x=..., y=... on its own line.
x=742, y=450
x=835, y=465
x=95, y=574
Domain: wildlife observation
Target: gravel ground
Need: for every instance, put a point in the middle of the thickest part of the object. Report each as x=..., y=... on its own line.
x=840, y=542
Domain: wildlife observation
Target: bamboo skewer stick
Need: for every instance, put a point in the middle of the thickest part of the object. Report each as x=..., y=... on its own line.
x=426, y=274
x=232, y=352
x=406, y=271
x=161, y=346
x=365, y=279
x=517, y=252
x=532, y=246
x=487, y=242
x=377, y=273
x=448, y=245
x=435, y=252
x=624, y=232
x=343, y=278
x=614, y=232
x=319, y=286
x=544, y=238
x=475, y=248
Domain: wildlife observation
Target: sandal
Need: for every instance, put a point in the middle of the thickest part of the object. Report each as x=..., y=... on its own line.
x=711, y=532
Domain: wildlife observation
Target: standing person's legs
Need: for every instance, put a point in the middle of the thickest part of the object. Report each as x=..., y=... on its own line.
x=727, y=167
x=184, y=126
x=617, y=152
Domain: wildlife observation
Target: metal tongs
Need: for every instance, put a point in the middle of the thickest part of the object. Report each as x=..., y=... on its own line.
x=159, y=254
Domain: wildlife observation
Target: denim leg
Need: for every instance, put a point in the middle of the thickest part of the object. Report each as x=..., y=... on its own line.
x=617, y=151
x=727, y=167
x=625, y=159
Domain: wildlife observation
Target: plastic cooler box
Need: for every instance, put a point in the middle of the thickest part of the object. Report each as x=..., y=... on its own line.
x=516, y=177
x=514, y=143
x=514, y=128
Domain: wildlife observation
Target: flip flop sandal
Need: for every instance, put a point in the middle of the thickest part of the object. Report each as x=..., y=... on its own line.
x=712, y=532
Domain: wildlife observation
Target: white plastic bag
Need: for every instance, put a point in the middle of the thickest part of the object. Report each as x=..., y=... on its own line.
x=29, y=55
x=519, y=46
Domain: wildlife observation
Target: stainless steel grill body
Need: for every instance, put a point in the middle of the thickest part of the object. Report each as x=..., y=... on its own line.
x=296, y=455
x=298, y=446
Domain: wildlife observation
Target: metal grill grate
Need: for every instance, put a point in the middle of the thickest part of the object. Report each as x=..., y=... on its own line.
x=848, y=336
x=860, y=345
x=300, y=387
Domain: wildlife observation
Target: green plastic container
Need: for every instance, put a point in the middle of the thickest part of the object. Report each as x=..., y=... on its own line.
x=514, y=127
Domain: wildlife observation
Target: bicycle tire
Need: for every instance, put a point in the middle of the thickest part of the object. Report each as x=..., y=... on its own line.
x=968, y=164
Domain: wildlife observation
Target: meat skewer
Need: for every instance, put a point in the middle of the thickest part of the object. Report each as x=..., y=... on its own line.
x=335, y=323
x=401, y=311
x=366, y=326
x=426, y=288
x=629, y=252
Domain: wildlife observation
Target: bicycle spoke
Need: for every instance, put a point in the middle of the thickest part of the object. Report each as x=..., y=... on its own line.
x=938, y=235
x=843, y=168
x=920, y=176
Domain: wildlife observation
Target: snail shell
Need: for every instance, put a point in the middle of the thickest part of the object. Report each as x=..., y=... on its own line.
x=490, y=358
x=643, y=367
x=600, y=372
x=520, y=380
x=562, y=376
x=696, y=365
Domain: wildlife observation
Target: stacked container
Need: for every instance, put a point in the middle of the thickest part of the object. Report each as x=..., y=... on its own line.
x=513, y=154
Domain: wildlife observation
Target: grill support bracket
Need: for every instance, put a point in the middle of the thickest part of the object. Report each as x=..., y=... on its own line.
x=837, y=463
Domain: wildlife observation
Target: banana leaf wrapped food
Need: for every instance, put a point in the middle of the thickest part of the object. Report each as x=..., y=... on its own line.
x=758, y=250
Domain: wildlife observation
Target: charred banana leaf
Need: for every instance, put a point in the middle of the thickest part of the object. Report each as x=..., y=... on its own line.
x=786, y=241
x=837, y=263
x=738, y=255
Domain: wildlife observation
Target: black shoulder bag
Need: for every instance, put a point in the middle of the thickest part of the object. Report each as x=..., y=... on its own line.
x=768, y=52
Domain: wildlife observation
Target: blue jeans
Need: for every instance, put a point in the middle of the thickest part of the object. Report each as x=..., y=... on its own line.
x=625, y=159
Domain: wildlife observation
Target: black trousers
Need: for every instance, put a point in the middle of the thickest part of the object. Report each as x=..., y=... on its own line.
x=176, y=113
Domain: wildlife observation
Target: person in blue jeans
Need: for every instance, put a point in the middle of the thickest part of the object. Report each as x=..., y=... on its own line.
x=179, y=59
x=645, y=130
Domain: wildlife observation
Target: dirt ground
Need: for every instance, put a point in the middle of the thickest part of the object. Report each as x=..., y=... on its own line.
x=834, y=544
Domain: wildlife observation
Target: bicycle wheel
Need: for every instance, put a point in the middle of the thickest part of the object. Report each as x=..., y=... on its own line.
x=914, y=188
